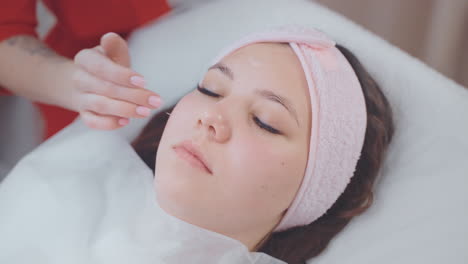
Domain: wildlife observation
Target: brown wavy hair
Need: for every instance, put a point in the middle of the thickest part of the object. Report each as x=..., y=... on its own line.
x=298, y=244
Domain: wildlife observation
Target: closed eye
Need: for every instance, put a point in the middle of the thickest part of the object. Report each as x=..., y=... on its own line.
x=257, y=121
x=207, y=92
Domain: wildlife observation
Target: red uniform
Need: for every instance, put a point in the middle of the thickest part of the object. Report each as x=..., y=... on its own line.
x=80, y=24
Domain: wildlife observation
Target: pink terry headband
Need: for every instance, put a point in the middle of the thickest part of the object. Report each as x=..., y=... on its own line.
x=338, y=125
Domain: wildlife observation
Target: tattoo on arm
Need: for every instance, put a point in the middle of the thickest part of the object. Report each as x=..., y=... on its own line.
x=32, y=46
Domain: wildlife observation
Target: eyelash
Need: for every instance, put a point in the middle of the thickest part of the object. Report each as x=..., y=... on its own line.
x=257, y=121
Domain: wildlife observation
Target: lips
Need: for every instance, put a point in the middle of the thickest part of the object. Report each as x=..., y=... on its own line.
x=188, y=147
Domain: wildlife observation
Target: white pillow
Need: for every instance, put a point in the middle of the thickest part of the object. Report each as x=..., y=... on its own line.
x=419, y=213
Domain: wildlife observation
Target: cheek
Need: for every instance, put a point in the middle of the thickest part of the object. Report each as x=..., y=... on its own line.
x=266, y=171
x=181, y=117
x=180, y=121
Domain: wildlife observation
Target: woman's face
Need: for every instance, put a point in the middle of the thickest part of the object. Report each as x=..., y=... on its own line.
x=250, y=122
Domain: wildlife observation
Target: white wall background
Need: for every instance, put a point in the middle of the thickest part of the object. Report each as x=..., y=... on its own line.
x=435, y=31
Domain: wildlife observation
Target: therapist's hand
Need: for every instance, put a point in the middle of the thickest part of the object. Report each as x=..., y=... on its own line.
x=107, y=92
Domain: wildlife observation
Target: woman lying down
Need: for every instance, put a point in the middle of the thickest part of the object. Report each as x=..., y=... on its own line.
x=265, y=161
x=277, y=147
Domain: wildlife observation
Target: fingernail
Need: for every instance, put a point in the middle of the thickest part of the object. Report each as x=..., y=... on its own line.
x=138, y=81
x=144, y=111
x=123, y=121
x=154, y=101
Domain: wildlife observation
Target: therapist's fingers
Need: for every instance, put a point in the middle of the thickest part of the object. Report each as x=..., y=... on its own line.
x=99, y=49
x=107, y=106
x=104, y=68
x=116, y=48
x=88, y=83
x=102, y=122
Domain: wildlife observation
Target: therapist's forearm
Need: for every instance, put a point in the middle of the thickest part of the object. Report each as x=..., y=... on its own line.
x=29, y=68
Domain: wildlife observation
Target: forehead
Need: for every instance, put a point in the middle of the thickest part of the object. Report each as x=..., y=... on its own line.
x=268, y=57
x=272, y=66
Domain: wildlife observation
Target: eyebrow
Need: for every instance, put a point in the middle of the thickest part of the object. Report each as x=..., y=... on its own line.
x=267, y=94
x=224, y=69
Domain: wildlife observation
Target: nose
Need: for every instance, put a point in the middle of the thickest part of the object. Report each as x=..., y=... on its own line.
x=213, y=122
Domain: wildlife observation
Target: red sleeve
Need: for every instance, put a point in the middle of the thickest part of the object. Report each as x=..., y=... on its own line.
x=17, y=17
x=4, y=92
